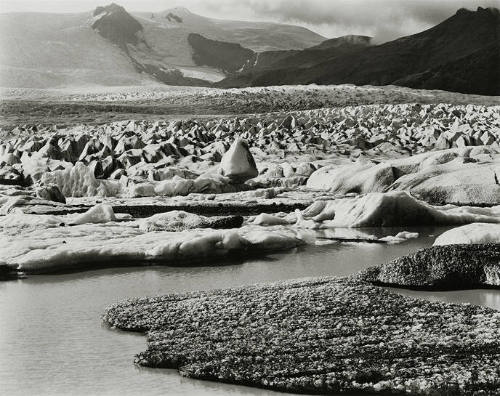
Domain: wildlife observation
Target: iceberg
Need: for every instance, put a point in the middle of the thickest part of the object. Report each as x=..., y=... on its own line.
x=476, y=233
x=397, y=208
x=65, y=248
x=238, y=163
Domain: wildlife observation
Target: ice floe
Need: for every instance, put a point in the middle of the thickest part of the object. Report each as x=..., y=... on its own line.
x=97, y=245
x=475, y=233
x=464, y=176
x=394, y=209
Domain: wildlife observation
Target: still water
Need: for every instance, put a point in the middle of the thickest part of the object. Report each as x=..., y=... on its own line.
x=52, y=341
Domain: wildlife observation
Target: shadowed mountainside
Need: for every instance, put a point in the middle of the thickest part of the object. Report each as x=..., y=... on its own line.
x=229, y=57
x=116, y=25
x=460, y=54
x=176, y=47
x=233, y=58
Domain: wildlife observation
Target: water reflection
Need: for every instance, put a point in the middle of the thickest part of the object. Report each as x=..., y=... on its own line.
x=485, y=297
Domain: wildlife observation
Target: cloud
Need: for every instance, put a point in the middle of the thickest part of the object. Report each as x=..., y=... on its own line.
x=382, y=19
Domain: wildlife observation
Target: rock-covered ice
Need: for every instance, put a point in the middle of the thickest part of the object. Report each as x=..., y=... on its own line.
x=178, y=220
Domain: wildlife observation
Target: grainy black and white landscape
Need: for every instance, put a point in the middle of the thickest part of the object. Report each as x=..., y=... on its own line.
x=217, y=204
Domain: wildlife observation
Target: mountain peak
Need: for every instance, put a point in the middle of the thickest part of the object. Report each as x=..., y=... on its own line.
x=345, y=41
x=179, y=11
x=109, y=9
x=480, y=11
x=490, y=11
x=116, y=24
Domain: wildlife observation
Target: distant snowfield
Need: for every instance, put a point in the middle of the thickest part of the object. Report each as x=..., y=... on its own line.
x=203, y=73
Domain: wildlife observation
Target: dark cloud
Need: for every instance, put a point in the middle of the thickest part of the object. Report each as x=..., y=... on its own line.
x=383, y=19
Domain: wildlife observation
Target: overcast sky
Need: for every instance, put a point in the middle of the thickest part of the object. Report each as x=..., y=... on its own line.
x=382, y=19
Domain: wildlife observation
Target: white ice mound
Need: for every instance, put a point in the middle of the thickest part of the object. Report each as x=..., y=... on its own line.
x=100, y=213
x=35, y=166
x=396, y=208
x=399, y=237
x=238, y=163
x=18, y=220
x=268, y=219
x=79, y=181
x=466, y=176
x=358, y=178
x=271, y=240
x=470, y=234
x=176, y=186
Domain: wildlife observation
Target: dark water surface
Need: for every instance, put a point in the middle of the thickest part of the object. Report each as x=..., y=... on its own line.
x=52, y=341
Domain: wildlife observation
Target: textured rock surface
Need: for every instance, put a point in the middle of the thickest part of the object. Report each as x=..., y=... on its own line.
x=51, y=193
x=320, y=336
x=441, y=267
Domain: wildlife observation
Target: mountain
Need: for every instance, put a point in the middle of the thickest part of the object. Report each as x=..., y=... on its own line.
x=236, y=60
x=460, y=54
x=257, y=36
x=117, y=25
x=345, y=41
x=229, y=57
x=111, y=46
x=121, y=29
x=309, y=57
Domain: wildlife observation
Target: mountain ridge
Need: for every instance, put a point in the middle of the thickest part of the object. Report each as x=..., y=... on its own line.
x=111, y=46
x=424, y=56
x=46, y=50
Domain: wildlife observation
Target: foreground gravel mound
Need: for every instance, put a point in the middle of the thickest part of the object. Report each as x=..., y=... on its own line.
x=442, y=268
x=326, y=335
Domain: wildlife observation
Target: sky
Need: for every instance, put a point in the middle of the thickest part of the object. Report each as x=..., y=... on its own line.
x=382, y=19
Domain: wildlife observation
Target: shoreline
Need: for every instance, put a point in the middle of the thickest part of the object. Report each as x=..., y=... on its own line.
x=335, y=334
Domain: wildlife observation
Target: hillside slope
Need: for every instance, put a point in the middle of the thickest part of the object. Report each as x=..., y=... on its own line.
x=460, y=54
x=110, y=46
x=43, y=50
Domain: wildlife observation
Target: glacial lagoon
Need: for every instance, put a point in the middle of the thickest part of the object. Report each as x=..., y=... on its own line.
x=52, y=340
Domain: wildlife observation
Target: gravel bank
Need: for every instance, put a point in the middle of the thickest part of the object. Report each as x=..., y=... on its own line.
x=326, y=335
x=441, y=268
